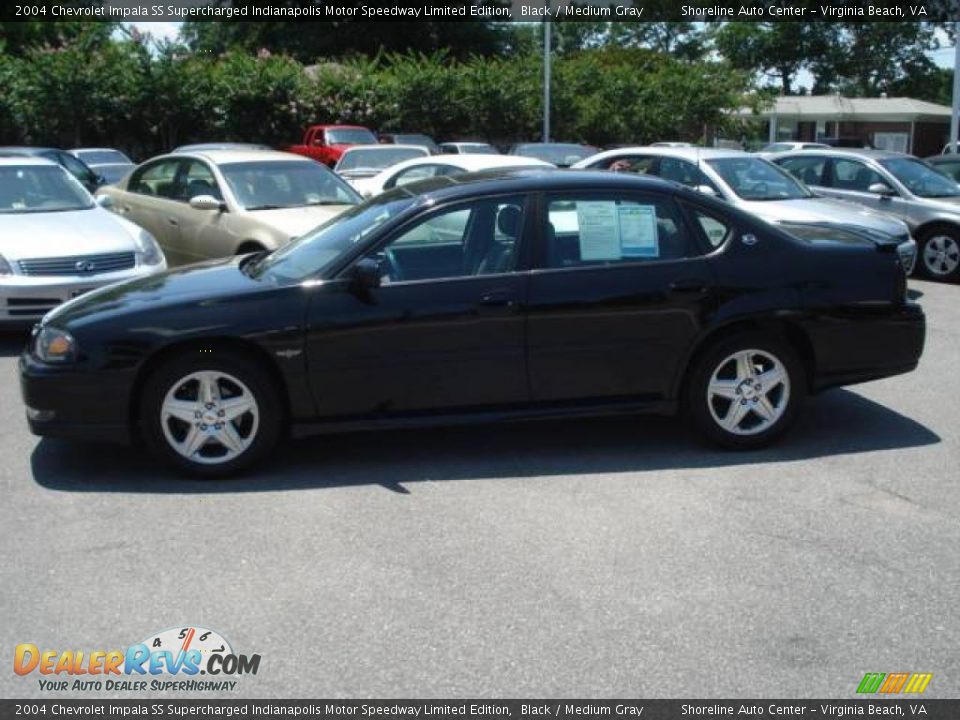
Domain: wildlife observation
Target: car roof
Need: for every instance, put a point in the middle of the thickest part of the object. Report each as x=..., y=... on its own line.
x=393, y=147
x=531, y=179
x=226, y=157
x=21, y=160
x=95, y=149
x=25, y=150
x=948, y=157
x=862, y=153
x=683, y=153
x=472, y=162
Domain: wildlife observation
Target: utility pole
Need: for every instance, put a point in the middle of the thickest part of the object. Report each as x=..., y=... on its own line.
x=546, y=74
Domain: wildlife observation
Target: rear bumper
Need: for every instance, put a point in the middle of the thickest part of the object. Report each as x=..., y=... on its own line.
x=861, y=344
x=64, y=403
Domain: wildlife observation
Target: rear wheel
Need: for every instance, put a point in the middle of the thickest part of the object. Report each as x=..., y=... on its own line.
x=745, y=391
x=210, y=417
x=939, y=254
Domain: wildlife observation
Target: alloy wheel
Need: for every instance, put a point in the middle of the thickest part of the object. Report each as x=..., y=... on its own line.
x=209, y=417
x=941, y=255
x=748, y=392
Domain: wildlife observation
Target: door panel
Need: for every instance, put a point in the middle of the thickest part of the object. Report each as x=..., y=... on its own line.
x=616, y=326
x=444, y=331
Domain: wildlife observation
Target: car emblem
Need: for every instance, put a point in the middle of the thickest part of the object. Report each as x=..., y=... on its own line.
x=84, y=266
x=749, y=239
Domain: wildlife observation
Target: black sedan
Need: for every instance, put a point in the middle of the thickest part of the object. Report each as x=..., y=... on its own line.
x=501, y=295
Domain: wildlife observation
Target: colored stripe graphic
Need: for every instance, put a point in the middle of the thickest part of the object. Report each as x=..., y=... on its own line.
x=894, y=683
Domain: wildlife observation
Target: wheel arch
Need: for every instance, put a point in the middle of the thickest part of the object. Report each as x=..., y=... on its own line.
x=935, y=224
x=250, y=245
x=786, y=330
x=237, y=346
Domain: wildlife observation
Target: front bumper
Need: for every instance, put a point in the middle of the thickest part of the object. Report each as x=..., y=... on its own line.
x=24, y=299
x=66, y=402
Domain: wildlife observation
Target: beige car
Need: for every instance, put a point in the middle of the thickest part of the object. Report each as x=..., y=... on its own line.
x=201, y=205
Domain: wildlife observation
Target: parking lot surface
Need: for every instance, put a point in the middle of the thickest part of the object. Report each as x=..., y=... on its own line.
x=600, y=558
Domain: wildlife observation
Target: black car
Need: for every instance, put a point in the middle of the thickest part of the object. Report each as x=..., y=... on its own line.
x=507, y=294
x=75, y=166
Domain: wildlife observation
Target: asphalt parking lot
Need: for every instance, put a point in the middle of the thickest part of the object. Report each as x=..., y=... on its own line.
x=601, y=558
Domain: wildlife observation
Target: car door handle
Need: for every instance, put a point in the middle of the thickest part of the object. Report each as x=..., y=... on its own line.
x=497, y=298
x=173, y=221
x=691, y=286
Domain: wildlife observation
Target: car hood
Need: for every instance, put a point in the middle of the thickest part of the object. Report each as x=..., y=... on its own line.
x=948, y=204
x=209, y=281
x=296, y=221
x=824, y=210
x=64, y=234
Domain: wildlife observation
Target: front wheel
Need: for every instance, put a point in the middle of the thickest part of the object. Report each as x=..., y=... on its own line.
x=939, y=253
x=745, y=391
x=210, y=417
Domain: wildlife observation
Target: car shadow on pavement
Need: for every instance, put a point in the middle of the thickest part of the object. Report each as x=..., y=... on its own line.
x=836, y=423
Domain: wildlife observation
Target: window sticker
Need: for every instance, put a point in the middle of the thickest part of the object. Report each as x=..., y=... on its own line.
x=638, y=231
x=599, y=230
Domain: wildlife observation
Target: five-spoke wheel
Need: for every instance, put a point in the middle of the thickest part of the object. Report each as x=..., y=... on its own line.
x=210, y=416
x=940, y=255
x=744, y=390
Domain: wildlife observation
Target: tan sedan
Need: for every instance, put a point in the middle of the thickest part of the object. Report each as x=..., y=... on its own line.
x=216, y=203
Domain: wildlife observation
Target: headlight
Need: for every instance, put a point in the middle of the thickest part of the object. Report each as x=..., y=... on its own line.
x=5, y=268
x=148, y=249
x=54, y=346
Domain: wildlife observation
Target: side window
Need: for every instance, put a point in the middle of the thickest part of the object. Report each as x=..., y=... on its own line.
x=683, y=172
x=639, y=164
x=854, y=175
x=480, y=238
x=604, y=231
x=808, y=170
x=158, y=180
x=198, y=180
x=76, y=168
x=412, y=174
x=716, y=230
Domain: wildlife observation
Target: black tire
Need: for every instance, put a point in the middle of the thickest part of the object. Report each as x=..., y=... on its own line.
x=938, y=266
x=263, y=433
x=250, y=247
x=697, y=404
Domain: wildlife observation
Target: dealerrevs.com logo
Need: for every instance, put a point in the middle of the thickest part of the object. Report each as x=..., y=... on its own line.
x=166, y=661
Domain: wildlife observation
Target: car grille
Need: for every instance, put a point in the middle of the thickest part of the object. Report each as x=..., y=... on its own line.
x=79, y=264
x=30, y=307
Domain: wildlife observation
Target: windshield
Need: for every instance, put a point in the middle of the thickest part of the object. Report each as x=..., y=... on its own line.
x=286, y=184
x=951, y=168
x=558, y=154
x=350, y=136
x=102, y=157
x=921, y=179
x=754, y=179
x=478, y=149
x=376, y=158
x=314, y=252
x=39, y=189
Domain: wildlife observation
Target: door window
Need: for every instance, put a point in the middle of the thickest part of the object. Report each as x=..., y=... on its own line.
x=199, y=180
x=854, y=175
x=808, y=170
x=638, y=164
x=480, y=238
x=76, y=168
x=716, y=230
x=683, y=172
x=158, y=179
x=592, y=231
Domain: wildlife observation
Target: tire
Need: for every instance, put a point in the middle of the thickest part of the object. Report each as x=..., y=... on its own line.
x=732, y=371
x=209, y=414
x=938, y=254
x=249, y=247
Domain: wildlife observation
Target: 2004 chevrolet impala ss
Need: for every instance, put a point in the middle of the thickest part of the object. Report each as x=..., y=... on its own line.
x=499, y=295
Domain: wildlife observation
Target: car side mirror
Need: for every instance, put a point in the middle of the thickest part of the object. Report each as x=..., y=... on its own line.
x=366, y=274
x=206, y=202
x=880, y=189
x=706, y=190
x=104, y=201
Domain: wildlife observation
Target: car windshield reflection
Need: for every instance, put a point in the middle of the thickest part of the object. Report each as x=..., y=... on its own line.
x=40, y=189
x=279, y=185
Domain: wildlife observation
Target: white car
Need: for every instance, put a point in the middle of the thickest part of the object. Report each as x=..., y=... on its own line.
x=756, y=185
x=468, y=148
x=780, y=147
x=211, y=204
x=359, y=163
x=57, y=243
x=434, y=165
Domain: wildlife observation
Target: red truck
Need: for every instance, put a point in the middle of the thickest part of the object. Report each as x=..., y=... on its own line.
x=326, y=143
